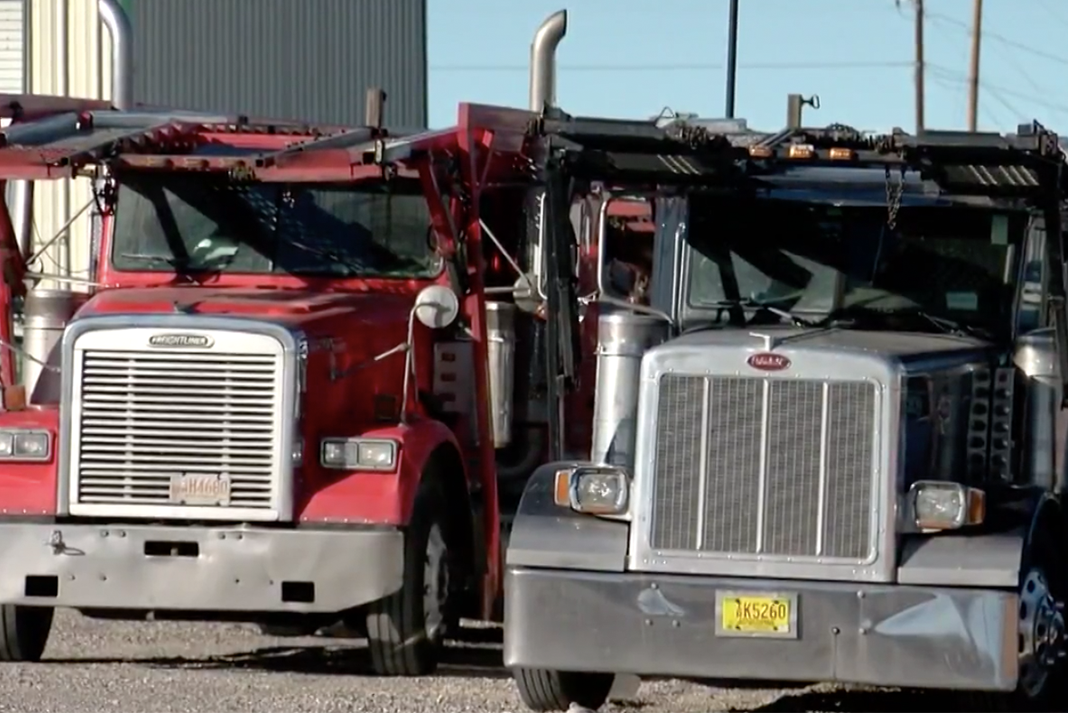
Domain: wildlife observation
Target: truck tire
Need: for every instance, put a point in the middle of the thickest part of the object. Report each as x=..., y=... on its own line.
x=544, y=690
x=406, y=629
x=1043, y=592
x=24, y=632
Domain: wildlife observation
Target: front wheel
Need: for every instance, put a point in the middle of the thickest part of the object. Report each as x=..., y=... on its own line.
x=544, y=690
x=405, y=630
x=1041, y=685
x=24, y=632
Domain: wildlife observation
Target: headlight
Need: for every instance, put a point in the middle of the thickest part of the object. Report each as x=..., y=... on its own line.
x=25, y=445
x=596, y=490
x=938, y=505
x=358, y=453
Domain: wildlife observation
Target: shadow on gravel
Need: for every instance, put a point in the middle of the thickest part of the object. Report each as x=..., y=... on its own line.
x=861, y=701
x=466, y=662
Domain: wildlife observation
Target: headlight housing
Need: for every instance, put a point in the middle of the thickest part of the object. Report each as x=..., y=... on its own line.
x=25, y=445
x=940, y=505
x=593, y=489
x=358, y=453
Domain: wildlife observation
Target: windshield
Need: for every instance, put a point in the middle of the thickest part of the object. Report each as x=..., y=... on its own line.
x=949, y=262
x=193, y=223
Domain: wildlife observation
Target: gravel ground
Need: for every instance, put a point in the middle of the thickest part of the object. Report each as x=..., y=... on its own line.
x=165, y=667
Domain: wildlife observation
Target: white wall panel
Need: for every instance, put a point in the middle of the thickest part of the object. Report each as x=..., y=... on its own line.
x=75, y=67
x=12, y=47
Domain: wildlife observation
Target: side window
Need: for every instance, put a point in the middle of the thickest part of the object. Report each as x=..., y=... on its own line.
x=1032, y=285
x=629, y=243
x=580, y=223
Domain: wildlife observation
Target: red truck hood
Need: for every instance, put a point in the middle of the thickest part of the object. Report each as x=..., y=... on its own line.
x=291, y=307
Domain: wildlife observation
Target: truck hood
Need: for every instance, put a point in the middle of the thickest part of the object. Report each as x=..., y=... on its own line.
x=296, y=308
x=824, y=344
x=819, y=354
x=897, y=344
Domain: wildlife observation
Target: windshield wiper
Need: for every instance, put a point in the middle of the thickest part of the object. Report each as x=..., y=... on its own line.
x=158, y=259
x=857, y=313
x=768, y=307
x=183, y=265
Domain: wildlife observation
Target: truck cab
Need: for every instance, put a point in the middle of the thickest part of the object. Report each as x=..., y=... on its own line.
x=837, y=428
x=247, y=417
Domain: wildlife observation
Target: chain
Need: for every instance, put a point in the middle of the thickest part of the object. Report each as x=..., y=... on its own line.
x=893, y=197
x=105, y=193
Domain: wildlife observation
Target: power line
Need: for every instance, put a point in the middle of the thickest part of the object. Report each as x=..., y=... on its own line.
x=1053, y=13
x=984, y=110
x=997, y=89
x=1008, y=41
x=675, y=67
x=1000, y=93
x=1006, y=56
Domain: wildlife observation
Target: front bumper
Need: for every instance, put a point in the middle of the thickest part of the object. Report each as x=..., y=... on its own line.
x=883, y=635
x=217, y=569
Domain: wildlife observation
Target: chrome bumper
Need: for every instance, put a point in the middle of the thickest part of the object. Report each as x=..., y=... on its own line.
x=884, y=635
x=197, y=568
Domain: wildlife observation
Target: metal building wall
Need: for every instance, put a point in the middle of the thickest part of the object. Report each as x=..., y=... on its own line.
x=12, y=59
x=12, y=46
x=303, y=59
x=66, y=51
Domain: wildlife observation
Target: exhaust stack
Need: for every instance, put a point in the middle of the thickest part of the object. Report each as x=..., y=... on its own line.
x=543, y=60
x=117, y=22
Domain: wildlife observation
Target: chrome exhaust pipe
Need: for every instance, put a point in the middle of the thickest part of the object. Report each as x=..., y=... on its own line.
x=543, y=60
x=117, y=22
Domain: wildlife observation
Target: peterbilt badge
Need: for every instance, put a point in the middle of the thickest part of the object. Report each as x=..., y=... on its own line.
x=768, y=362
x=180, y=341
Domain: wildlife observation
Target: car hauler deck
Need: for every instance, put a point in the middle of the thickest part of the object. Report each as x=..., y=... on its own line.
x=269, y=407
x=838, y=452
x=287, y=396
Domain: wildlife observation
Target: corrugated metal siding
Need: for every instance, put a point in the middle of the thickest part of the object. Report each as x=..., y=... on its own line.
x=12, y=46
x=12, y=59
x=55, y=202
x=305, y=59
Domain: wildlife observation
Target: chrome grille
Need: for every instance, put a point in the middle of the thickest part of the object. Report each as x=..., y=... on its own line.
x=143, y=417
x=764, y=466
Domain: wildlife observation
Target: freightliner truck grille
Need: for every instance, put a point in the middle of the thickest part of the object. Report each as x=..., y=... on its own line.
x=775, y=467
x=143, y=419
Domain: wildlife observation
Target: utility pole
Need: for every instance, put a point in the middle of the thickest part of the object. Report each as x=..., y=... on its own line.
x=732, y=56
x=919, y=67
x=973, y=69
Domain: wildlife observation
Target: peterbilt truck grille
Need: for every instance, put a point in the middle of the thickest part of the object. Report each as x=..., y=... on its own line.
x=773, y=467
x=160, y=428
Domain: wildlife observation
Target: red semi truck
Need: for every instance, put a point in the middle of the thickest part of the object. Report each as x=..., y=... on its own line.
x=306, y=378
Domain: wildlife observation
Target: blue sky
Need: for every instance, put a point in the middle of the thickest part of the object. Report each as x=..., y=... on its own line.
x=631, y=58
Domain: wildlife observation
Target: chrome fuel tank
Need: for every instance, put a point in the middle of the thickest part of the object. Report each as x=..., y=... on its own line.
x=622, y=340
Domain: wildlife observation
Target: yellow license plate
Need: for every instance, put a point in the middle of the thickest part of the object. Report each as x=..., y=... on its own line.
x=756, y=615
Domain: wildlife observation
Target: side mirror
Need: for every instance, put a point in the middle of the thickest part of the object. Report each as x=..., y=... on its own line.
x=436, y=307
